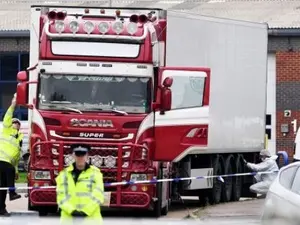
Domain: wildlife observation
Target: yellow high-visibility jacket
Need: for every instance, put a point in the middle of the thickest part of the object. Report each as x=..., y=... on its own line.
x=10, y=141
x=86, y=195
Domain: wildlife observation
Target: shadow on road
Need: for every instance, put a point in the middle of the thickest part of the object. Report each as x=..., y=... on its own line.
x=182, y=208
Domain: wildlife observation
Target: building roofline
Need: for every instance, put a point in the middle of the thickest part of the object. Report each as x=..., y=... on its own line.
x=284, y=32
x=279, y=32
x=14, y=33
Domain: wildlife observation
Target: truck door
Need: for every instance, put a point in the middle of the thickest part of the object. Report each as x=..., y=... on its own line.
x=181, y=120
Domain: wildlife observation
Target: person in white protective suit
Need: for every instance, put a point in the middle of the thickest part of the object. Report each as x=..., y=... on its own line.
x=264, y=181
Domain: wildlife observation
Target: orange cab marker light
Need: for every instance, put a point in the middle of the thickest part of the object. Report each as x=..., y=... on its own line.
x=61, y=15
x=143, y=18
x=134, y=18
x=52, y=15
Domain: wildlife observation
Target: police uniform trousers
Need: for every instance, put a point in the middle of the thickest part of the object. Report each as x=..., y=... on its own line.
x=7, y=179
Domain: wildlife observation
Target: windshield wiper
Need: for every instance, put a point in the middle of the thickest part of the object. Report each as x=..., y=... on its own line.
x=64, y=107
x=110, y=110
x=63, y=102
x=73, y=109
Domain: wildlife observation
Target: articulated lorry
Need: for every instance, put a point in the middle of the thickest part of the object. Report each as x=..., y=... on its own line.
x=156, y=94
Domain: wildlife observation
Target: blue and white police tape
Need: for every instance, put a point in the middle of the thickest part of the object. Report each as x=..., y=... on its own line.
x=152, y=181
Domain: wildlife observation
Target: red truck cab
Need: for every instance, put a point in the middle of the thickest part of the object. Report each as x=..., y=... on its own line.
x=94, y=82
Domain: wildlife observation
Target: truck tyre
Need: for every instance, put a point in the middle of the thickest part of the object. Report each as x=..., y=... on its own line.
x=203, y=200
x=227, y=185
x=237, y=181
x=216, y=192
x=165, y=210
x=26, y=159
x=157, y=205
x=30, y=208
x=42, y=212
x=45, y=210
x=247, y=182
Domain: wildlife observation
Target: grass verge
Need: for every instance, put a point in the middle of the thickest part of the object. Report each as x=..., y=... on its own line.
x=22, y=177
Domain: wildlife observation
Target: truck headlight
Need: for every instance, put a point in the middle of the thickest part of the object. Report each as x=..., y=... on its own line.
x=55, y=162
x=138, y=177
x=54, y=151
x=97, y=160
x=110, y=161
x=41, y=175
x=125, y=165
x=118, y=27
x=74, y=26
x=69, y=159
x=144, y=151
x=59, y=26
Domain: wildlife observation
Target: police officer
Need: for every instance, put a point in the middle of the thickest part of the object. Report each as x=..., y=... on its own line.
x=10, y=145
x=80, y=188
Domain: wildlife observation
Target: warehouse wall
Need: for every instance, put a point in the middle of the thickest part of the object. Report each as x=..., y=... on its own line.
x=14, y=44
x=14, y=56
x=287, y=89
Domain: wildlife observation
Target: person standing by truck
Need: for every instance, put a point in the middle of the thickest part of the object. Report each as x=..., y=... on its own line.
x=10, y=151
x=80, y=188
x=268, y=164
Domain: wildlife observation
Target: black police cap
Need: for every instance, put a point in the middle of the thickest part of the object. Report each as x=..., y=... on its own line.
x=80, y=148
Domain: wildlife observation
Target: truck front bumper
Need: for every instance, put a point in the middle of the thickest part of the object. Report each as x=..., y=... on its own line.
x=44, y=197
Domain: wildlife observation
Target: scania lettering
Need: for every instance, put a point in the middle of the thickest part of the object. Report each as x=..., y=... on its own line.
x=91, y=123
x=165, y=110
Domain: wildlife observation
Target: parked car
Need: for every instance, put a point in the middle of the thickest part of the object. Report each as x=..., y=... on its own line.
x=23, y=165
x=283, y=198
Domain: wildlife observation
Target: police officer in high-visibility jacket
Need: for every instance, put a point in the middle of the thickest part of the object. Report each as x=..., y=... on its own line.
x=80, y=188
x=10, y=152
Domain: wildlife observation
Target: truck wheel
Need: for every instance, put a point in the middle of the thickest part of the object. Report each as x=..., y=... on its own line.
x=157, y=205
x=165, y=210
x=30, y=208
x=45, y=210
x=237, y=181
x=227, y=185
x=216, y=192
x=42, y=212
x=26, y=162
x=203, y=199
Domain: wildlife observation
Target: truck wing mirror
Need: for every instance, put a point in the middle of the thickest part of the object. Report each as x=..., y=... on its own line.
x=22, y=97
x=168, y=81
x=166, y=99
x=166, y=95
x=22, y=76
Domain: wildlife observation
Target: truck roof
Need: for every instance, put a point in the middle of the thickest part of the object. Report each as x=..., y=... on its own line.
x=95, y=7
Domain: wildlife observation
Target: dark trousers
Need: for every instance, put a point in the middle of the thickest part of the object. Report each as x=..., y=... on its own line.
x=7, y=179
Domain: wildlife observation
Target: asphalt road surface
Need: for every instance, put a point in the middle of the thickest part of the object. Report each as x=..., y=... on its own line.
x=247, y=211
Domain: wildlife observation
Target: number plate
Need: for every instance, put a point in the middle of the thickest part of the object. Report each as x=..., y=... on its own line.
x=107, y=196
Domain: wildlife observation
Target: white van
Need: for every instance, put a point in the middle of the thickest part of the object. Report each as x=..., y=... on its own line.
x=297, y=146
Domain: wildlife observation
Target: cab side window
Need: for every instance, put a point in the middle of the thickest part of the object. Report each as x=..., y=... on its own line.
x=287, y=175
x=187, y=91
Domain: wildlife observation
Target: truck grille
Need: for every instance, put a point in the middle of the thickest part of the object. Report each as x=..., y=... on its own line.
x=102, y=157
x=105, y=157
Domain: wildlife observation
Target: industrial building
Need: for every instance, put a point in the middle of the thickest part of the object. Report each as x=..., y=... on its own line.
x=283, y=18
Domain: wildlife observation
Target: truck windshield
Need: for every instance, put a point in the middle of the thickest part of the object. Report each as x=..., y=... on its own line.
x=95, y=93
